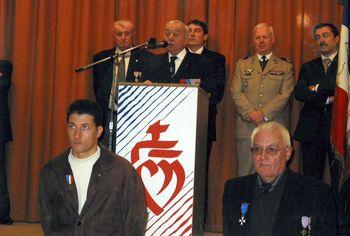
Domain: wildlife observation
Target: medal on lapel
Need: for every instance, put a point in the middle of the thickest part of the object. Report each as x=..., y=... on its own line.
x=244, y=210
x=69, y=179
x=306, y=223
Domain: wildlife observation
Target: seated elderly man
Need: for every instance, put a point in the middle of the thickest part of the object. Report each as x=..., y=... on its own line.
x=276, y=200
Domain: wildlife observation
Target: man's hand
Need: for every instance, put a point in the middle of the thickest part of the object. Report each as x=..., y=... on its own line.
x=148, y=82
x=313, y=87
x=256, y=117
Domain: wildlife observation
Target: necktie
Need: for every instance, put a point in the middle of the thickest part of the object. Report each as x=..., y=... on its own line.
x=326, y=63
x=172, y=65
x=121, y=70
x=266, y=187
x=263, y=62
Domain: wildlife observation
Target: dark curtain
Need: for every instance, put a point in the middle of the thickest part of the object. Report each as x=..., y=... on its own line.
x=46, y=40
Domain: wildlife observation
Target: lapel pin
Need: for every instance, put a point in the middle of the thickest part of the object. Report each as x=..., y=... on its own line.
x=70, y=179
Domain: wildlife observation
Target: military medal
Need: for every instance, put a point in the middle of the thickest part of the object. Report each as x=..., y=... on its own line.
x=137, y=75
x=245, y=83
x=306, y=223
x=248, y=72
x=244, y=210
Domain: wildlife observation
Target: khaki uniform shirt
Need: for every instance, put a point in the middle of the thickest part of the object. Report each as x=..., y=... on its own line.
x=268, y=91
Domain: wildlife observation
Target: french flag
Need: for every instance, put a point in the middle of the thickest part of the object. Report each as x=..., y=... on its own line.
x=341, y=113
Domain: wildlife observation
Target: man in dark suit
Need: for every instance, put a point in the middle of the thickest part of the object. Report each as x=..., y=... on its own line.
x=88, y=190
x=198, y=36
x=315, y=88
x=276, y=201
x=178, y=65
x=344, y=209
x=130, y=65
x=5, y=136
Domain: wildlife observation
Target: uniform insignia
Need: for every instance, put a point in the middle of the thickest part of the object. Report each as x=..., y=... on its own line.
x=243, y=58
x=276, y=72
x=245, y=83
x=248, y=72
x=286, y=59
x=190, y=81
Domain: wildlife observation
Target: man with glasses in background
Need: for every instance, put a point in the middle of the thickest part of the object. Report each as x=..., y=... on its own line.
x=276, y=200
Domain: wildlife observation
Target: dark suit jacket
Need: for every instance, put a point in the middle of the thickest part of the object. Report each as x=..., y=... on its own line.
x=5, y=83
x=219, y=63
x=115, y=203
x=344, y=209
x=302, y=196
x=103, y=74
x=193, y=66
x=314, y=110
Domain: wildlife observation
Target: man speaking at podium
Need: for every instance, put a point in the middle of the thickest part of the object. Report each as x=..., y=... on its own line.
x=179, y=65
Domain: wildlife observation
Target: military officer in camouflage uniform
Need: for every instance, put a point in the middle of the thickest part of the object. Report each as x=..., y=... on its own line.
x=261, y=89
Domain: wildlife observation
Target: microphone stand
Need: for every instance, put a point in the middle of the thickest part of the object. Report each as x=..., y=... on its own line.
x=113, y=106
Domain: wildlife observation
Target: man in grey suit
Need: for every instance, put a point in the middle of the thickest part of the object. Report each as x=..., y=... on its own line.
x=261, y=89
x=88, y=190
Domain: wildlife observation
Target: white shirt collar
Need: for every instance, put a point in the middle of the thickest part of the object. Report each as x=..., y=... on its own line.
x=268, y=56
x=96, y=155
x=117, y=50
x=199, y=51
x=180, y=55
x=330, y=57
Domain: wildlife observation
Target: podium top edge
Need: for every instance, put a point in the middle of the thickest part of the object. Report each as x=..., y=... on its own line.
x=166, y=85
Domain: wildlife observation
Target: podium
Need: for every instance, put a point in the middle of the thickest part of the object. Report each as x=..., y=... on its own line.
x=162, y=131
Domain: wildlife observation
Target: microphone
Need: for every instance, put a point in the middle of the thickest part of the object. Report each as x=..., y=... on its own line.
x=152, y=44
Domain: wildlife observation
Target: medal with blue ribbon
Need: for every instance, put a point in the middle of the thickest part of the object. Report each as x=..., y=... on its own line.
x=244, y=210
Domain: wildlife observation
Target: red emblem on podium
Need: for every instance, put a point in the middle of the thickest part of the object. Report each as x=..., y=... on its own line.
x=161, y=157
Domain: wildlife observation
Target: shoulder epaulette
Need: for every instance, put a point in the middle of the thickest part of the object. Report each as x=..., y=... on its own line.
x=243, y=58
x=286, y=59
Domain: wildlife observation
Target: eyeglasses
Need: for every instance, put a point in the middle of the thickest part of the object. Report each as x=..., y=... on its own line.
x=269, y=150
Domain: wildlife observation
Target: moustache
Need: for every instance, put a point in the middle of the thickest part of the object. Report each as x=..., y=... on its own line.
x=323, y=44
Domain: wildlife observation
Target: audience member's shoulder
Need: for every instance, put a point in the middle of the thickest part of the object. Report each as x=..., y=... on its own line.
x=286, y=60
x=211, y=53
x=104, y=53
x=157, y=57
x=113, y=160
x=200, y=59
x=309, y=182
x=144, y=53
x=243, y=59
x=58, y=161
x=238, y=181
x=312, y=61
